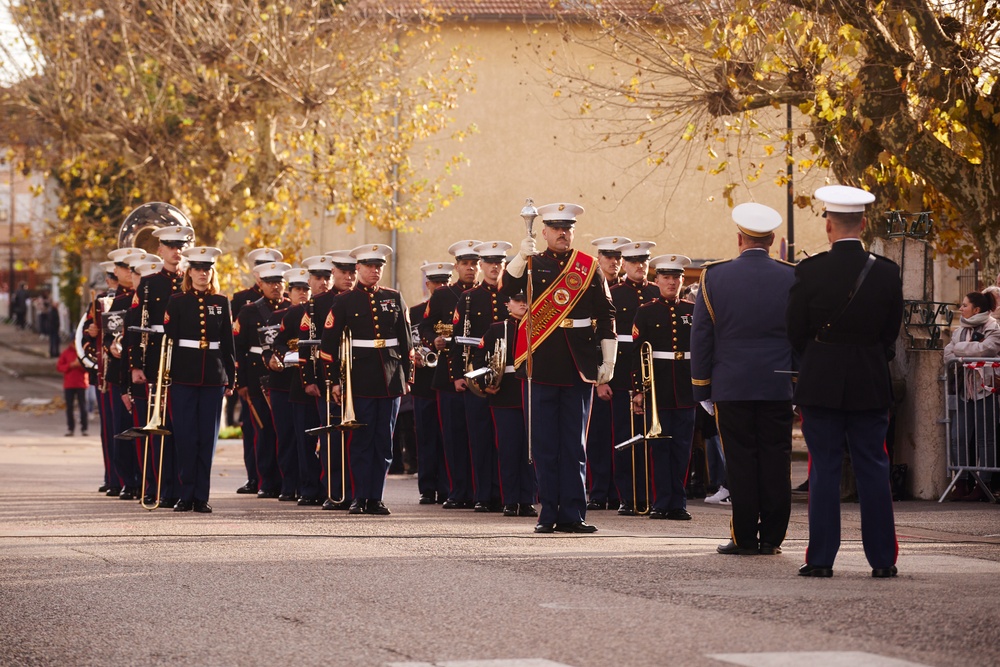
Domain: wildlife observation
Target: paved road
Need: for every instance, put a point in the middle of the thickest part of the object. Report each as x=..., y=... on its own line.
x=90, y=580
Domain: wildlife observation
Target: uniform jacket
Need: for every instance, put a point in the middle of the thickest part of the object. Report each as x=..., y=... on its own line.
x=628, y=296
x=423, y=376
x=153, y=292
x=481, y=306
x=321, y=306
x=118, y=372
x=243, y=298
x=295, y=326
x=205, y=317
x=250, y=365
x=571, y=353
x=666, y=325
x=441, y=310
x=370, y=313
x=509, y=395
x=279, y=380
x=848, y=368
x=739, y=339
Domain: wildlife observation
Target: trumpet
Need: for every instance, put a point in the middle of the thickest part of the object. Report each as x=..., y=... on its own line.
x=491, y=375
x=422, y=355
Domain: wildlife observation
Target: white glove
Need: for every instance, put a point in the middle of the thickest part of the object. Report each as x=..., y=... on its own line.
x=709, y=407
x=516, y=266
x=609, y=351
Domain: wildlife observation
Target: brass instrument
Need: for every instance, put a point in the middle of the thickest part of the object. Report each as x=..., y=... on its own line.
x=491, y=375
x=442, y=329
x=348, y=420
x=422, y=356
x=467, y=342
x=156, y=409
x=649, y=384
x=112, y=322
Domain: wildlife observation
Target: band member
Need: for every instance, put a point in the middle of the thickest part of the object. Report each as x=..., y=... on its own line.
x=476, y=310
x=436, y=331
x=666, y=325
x=149, y=305
x=628, y=296
x=252, y=374
x=117, y=375
x=92, y=343
x=844, y=314
x=284, y=372
x=299, y=324
x=202, y=371
x=738, y=342
x=609, y=258
x=573, y=347
x=432, y=472
x=255, y=258
x=517, y=479
x=375, y=320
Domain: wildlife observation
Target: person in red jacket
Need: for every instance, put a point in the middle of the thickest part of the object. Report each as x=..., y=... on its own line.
x=75, y=382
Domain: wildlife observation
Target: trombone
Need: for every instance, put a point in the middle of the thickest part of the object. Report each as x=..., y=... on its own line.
x=156, y=408
x=655, y=430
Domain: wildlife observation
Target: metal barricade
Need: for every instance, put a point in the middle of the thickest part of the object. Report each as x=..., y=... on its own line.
x=972, y=408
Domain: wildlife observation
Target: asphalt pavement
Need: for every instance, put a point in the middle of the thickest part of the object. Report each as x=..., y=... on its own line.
x=91, y=580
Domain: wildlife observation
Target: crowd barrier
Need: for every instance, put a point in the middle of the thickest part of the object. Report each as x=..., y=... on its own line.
x=971, y=396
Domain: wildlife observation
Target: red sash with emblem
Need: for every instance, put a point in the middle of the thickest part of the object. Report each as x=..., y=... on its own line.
x=551, y=306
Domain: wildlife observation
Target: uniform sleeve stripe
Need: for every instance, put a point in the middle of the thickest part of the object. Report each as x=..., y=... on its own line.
x=700, y=383
x=704, y=293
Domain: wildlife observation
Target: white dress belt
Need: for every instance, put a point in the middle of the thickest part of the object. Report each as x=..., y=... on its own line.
x=575, y=324
x=624, y=338
x=509, y=369
x=156, y=327
x=671, y=355
x=197, y=344
x=256, y=349
x=378, y=343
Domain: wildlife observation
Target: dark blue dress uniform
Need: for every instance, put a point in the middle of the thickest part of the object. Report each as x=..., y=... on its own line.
x=236, y=304
x=123, y=452
x=479, y=307
x=94, y=348
x=279, y=383
x=244, y=298
x=201, y=369
x=432, y=472
x=377, y=321
x=253, y=375
x=451, y=409
x=739, y=348
x=517, y=479
x=565, y=367
x=627, y=296
x=844, y=392
x=666, y=325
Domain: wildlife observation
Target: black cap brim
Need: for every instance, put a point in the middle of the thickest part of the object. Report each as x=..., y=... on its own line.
x=560, y=224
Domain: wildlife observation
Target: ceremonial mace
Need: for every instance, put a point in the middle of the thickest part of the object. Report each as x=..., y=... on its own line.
x=529, y=213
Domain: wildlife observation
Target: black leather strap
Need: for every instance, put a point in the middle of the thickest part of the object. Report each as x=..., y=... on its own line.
x=824, y=331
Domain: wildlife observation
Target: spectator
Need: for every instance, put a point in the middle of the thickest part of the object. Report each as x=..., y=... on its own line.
x=52, y=328
x=19, y=306
x=75, y=384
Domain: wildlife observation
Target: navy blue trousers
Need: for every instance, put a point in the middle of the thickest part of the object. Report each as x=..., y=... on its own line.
x=159, y=446
x=334, y=462
x=455, y=435
x=265, y=444
x=249, y=453
x=111, y=477
x=517, y=479
x=558, y=440
x=669, y=458
x=195, y=437
x=285, y=441
x=432, y=473
x=626, y=425
x=600, y=452
x=124, y=461
x=826, y=430
x=482, y=447
x=305, y=416
x=371, y=445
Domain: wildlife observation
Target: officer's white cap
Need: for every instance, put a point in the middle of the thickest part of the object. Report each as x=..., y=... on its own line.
x=263, y=256
x=844, y=199
x=174, y=234
x=147, y=267
x=670, y=263
x=636, y=250
x=493, y=251
x=135, y=259
x=560, y=215
x=297, y=276
x=439, y=272
x=343, y=259
x=108, y=266
x=756, y=220
x=121, y=255
x=272, y=272
x=610, y=244
x=321, y=264
x=375, y=253
x=201, y=256
x=464, y=250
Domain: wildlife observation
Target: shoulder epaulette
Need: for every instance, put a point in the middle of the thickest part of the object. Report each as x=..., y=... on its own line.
x=715, y=263
x=786, y=263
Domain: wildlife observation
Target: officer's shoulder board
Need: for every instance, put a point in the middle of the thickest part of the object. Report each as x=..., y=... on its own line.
x=786, y=263
x=708, y=265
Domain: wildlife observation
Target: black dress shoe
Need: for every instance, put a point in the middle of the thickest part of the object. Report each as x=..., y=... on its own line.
x=202, y=506
x=481, y=507
x=526, y=509
x=330, y=504
x=597, y=505
x=168, y=502
x=657, y=514
x=884, y=572
x=182, y=506
x=287, y=497
x=426, y=498
x=357, y=506
x=113, y=491
x=626, y=509
x=377, y=507
x=807, y=570
x=731, y=549
x=679, y=515
x=249, y=487
x=102, y=488
x=769, y=549
x=149, y=500
x=545, y=528
x=308, y=502
x=457, y=504
x=267, y=494
x=127, y=494
x=575, y=527
x=510, y=510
